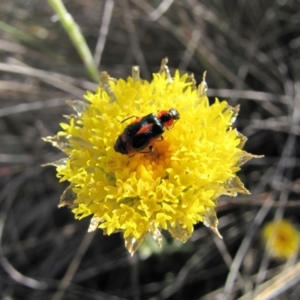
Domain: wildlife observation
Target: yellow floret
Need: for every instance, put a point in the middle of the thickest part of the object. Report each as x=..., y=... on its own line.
x=281, y=238
x=172, y=188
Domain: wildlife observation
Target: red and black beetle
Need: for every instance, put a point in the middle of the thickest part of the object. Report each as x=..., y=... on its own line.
x=141, y=134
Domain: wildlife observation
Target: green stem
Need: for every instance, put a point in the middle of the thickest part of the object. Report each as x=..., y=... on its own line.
x=76, y=37
x=17, y=33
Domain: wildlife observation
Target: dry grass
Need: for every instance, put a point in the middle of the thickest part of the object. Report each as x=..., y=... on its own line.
x=251, y=50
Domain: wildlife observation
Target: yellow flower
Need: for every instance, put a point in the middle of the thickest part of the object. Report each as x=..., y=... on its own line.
x=172, y=188
x=281, y=239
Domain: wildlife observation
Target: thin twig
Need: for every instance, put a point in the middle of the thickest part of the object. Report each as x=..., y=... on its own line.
x=190, y=49
x=277, y=285
x=133, y=37
x=234, y=270
x=48, y=77
x=67, y=279
x=107, y=13
x=160, y=10
x=25, y=107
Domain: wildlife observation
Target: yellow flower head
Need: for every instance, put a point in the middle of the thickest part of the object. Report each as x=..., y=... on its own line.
x=281, y=239
x=173, y=187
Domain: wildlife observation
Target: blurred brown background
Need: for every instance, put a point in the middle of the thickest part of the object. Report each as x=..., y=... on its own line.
x=250, y=49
